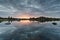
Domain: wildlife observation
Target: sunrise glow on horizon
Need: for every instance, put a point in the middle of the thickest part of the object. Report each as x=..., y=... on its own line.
x=25, y=15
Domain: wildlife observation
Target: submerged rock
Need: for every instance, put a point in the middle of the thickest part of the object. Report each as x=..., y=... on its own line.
x=7, y=23
x=54, y=23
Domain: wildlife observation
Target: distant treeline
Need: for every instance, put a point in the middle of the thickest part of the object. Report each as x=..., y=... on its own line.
x=42, y=19
x=8, y=19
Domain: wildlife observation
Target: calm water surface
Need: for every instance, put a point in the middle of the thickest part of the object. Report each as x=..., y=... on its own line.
x=29, y=30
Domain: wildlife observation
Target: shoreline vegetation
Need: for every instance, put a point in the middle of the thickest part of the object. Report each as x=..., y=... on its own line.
x=43, y=19
x=40, y=19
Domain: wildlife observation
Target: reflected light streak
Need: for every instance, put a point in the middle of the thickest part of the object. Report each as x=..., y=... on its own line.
x=25, y=22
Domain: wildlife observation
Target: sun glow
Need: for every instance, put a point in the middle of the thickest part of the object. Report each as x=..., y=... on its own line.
x=24, y=15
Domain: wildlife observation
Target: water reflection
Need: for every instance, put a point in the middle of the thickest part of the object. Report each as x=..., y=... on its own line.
x=29, y=30
x=25, y=22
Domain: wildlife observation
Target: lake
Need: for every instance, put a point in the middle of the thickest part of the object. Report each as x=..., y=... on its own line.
x=29, y=30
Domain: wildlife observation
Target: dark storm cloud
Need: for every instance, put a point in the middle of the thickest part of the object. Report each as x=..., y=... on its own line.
x=43, y=7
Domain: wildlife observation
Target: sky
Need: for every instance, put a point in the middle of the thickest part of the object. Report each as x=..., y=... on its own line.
x=33, y=8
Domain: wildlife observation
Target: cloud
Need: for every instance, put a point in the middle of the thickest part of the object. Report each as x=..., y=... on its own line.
x=39, y=7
